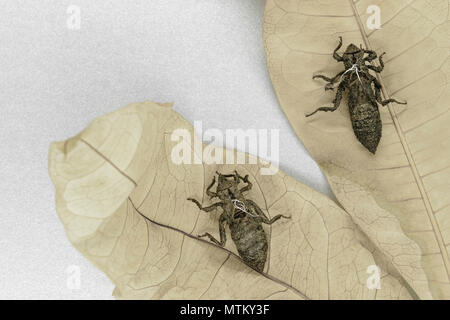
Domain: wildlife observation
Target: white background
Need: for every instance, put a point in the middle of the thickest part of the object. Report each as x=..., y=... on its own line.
x=207, y=56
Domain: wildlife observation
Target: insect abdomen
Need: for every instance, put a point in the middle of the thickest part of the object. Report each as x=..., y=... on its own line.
x=366, y=124
x=251, y=243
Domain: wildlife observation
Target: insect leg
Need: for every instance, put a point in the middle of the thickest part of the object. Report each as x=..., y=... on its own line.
x=387, y=101
x=372, y=55
x=206, y=209
x=336, y=101
x=331, y=80
x=244, y=179
x=262, y=214
x=247, y=187
x=335, y=54
x=231, y=175
x=223, y=236
x=378, y=94
x=225, y=175
x=379, y=68
x=210, y=193
x=236, y=177
x=277, y=217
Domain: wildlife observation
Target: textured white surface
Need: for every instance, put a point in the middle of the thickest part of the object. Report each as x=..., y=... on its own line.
x=207, y=56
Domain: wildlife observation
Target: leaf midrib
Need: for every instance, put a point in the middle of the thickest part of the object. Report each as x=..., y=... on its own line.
x=266, y=275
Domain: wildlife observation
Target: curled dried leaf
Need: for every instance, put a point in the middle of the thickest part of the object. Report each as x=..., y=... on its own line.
x=122, y=201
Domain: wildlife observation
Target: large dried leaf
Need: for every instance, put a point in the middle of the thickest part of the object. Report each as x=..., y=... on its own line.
x=123, y=204
x=401, y=193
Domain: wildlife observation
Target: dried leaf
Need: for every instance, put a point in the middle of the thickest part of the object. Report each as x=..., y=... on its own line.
x=401, y=193
x=123, y=203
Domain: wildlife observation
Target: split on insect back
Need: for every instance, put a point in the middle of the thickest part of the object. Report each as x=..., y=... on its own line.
x=243, y=216
x=364, y=92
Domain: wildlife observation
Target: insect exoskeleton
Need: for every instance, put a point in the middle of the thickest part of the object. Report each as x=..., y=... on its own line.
x=243, y=217
x=364, y=92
